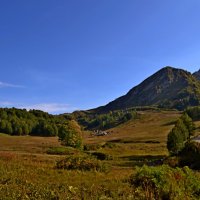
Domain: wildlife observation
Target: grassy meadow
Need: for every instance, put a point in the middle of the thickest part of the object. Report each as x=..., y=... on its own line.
x=28, y=164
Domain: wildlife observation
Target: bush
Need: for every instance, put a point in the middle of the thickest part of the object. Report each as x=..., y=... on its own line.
x=172, y=161
x=91, y=147
x=81, y=162
x=164, y=182
x=109, y=145
x=190, y=155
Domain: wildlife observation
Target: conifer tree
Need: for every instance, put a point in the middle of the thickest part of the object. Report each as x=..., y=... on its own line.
x=189, y=124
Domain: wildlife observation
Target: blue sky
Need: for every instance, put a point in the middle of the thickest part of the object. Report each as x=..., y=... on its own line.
x=63, y=55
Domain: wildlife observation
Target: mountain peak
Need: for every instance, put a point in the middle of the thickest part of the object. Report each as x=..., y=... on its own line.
x=168, y=88
x=172, y=70
x=168, y=68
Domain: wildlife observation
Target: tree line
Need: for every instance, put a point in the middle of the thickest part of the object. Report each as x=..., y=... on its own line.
x=93, y=121
x=38, y=123
x=34, y=122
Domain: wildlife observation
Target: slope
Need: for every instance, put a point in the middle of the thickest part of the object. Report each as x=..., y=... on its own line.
x=167, y=88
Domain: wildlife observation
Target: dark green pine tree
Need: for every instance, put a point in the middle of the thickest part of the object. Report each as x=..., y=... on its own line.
x=189, y=124
x=175, y=142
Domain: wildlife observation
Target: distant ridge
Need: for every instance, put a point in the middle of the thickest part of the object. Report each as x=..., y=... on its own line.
x=168, y=88
x=197, y=74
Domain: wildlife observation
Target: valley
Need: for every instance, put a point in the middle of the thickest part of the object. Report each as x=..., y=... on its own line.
x=28, y=170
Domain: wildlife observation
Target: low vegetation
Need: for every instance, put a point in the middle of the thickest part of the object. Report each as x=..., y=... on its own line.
x=58, y=151
x=81, y=162
x=164, y=182
x=126, y=164
x=33, y=178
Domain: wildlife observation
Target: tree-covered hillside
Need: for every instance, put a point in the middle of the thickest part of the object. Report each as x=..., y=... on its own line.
x=34, y=122
x=94, y=121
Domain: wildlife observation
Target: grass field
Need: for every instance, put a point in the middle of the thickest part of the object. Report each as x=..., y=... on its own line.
x=27, y=170
x=144, y=136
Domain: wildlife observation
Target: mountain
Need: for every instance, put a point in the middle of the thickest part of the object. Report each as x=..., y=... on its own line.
x=167, y=88
x=197, y=74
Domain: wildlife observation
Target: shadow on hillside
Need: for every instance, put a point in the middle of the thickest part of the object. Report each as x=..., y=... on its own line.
x=126, y=141
x=139, y=160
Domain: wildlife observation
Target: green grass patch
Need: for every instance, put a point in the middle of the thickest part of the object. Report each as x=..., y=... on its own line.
x=4, y=135
x=61, y=151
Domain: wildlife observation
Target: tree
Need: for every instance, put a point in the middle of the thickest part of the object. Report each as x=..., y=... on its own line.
x=34, y=122
x=70, y=134
x=55, y=129
x=194, y=112
x=180, y=134
x=25, y=129
x=49, y=130
x=2, y=125
x=20, y=131
x=183, y=129
x=189, y=124
x=175, y=142
x=8, y=128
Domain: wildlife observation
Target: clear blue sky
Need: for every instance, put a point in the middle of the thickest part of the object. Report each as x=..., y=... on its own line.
x=63, y=55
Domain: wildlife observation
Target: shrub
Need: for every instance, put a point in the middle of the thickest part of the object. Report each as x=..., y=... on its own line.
x=172, y=161
x=190, y=155
x=81, y=162
x=164, y=182
x=109, y=145
x=91, y=147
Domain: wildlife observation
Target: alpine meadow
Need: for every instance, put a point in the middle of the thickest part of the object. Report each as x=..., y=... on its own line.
x=87, y=110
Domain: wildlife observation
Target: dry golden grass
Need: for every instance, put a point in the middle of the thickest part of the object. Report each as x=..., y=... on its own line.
x=27, y=170
x=151, y=126
x=28, y=148
x=144, y=136
x=27, y=144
